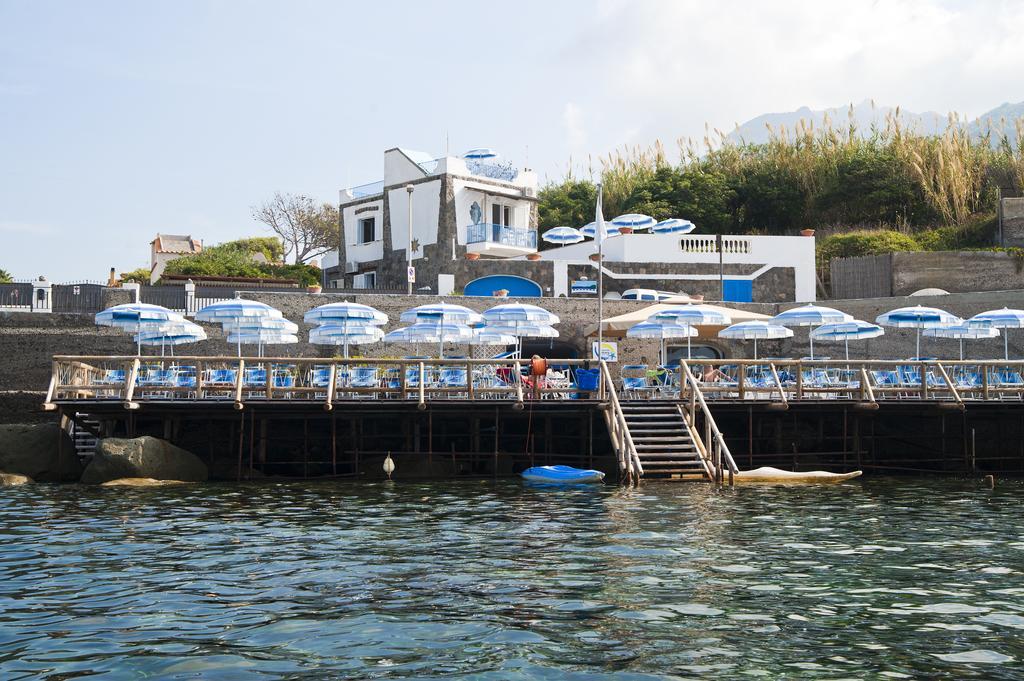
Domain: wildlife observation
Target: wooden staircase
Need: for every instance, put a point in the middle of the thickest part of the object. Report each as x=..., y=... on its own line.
x=663, y=441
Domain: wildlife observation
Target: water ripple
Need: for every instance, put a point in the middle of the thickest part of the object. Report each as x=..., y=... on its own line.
x=484, y=580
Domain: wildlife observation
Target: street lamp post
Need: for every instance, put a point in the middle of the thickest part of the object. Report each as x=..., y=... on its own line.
x=409, y=190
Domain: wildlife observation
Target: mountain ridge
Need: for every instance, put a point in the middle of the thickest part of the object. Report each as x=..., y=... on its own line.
x=865, y=115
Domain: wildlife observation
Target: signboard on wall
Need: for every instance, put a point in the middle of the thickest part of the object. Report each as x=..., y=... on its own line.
x=584, y=287
x=411, y=275
x=607, y=350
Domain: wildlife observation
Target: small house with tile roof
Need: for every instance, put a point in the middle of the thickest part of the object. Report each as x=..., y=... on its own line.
x=167, y=247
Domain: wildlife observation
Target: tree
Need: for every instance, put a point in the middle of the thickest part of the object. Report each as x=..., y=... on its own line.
x=308, y=230
x=5, y=277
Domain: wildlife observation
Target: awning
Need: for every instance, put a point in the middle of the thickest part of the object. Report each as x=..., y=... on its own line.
x=616, y=327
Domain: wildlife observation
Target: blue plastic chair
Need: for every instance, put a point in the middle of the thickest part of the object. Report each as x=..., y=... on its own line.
x=364, y=377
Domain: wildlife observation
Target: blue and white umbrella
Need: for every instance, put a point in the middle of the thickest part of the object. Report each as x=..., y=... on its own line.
x=590, y=230
x=487, y=336
x=346, y=333
x=430, y=332
x=522, y=320
x=337, y=312
x=755, y=331
x=170, y=334
x=811, y=315
x=634, y=221
x=236, y=309
x=563, y=236
x=962, y=332
x=136, y=317
x=246, y=316
x=917, y=317
x=481, y=154
x=519, y=312
x=674, y=226
x=441, y=313
x=691, y=315
x=662, y=332
x=1000, y=319
x=261, y=337
x=847, y=331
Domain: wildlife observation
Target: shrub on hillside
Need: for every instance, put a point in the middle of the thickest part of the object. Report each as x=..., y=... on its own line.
x=851, y=244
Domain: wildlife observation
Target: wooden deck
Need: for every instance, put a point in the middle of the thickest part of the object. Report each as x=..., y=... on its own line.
x=659, y=423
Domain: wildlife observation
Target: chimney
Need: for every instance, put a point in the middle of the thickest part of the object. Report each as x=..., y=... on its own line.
x=112, y=281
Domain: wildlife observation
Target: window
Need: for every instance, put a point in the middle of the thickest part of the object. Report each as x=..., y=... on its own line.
x=501, y=215
x=365, y=280
x=366, y=232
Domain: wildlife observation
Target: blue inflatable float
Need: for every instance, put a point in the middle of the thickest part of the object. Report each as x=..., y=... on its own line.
x=563, y=474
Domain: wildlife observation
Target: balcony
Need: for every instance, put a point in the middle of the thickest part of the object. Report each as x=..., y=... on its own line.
x=500, y=241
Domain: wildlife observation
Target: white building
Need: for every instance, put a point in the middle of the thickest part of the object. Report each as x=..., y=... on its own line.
x=474, y=231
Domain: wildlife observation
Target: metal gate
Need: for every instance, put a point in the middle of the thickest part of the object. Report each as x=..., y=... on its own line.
x=85, y=298
x=171, y=297
x=17, y=296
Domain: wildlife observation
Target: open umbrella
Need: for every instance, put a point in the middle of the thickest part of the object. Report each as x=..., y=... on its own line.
x=346, y=334
x=261, y=337
x=662, y=332
x=521, y=320
x=634, y=221
x=428, y=332
x=170, y=334
x=691, y=315
x=674, y=226
x=962, y=332
x=917, y=317
x=755, y=331
x=847, y=331
x=136, y=317
x=1000, y=319
x=811, y=315
x=226, y=312
x=340, y=312
x=258, y=327
x=590, y=230
x=480, y=154
x=563, y=236
x=441, y=313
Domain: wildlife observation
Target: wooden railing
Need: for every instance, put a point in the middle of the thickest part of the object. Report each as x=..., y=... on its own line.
x=135, y=380
x=715, y=454
x=618, y=429
x=869, y=382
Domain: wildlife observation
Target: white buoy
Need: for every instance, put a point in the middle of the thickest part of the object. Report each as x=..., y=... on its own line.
x=389, y=465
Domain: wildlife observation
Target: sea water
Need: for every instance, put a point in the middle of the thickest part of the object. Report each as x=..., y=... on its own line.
x=877, y=578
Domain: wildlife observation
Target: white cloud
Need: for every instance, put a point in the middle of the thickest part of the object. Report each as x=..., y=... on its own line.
x=665, y=68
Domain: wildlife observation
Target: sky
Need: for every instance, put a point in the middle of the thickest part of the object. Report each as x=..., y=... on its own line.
x=119, y=120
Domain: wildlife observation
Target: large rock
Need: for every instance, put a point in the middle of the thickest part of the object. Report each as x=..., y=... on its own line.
x=142, y=457
x=34, y=450
x=13, y=479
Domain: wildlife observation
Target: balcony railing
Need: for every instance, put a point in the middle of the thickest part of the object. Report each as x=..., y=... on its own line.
x=519, y=237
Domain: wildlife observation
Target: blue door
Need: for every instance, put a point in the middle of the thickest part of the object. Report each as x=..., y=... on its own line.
x=738, y=290
x=516, y=286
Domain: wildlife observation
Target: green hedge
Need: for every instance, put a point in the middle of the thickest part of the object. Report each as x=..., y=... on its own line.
x=851, y=244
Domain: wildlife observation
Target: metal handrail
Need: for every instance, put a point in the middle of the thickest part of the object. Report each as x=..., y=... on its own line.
x=720, y=454
x=628, y=448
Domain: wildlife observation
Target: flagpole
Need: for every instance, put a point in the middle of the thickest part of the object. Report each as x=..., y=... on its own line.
x=599, y=218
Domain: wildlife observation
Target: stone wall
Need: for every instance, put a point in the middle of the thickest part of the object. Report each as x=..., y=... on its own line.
x=1013, y=222
x=953, y=271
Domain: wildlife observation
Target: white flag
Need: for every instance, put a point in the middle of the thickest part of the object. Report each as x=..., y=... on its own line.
x=599, y=218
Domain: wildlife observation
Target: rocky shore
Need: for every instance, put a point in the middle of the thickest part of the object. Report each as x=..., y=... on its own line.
x=32, y=453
